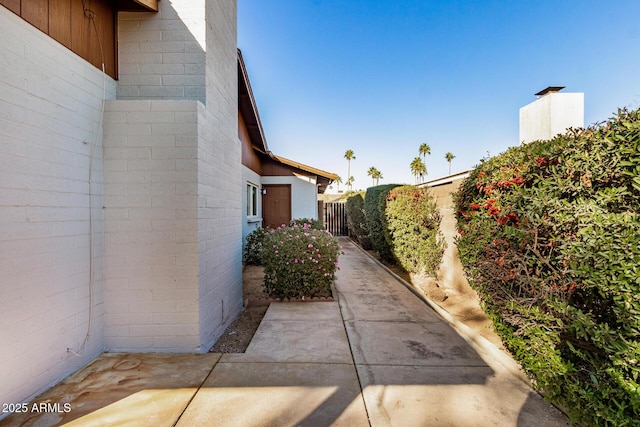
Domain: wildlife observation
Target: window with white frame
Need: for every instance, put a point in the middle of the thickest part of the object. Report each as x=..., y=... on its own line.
x=252, y=200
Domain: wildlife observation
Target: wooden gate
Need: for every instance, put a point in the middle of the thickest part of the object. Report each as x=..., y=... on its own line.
x=335, y=219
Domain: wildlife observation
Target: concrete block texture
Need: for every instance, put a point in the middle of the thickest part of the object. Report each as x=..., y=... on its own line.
x=51, y=298
x=159, y=267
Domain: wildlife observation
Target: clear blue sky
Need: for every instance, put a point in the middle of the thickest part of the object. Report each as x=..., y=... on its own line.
x=382, y=77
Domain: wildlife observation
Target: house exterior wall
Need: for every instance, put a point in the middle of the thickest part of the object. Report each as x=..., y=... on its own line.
x=162, y=55
x=151, y=225
x=166, y=248
x=550, y=115
x=181, y=283
x=50, y=109
x=304, y=194
x=219, y=179
x=250, y=224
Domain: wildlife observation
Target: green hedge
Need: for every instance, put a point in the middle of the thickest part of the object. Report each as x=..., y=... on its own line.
x=412, y=229
x=356, y=221
x=550, y=239
x=374, y=206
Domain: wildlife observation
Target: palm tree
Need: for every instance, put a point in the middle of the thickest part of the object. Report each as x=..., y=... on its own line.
x=418, y=168
x=338, y=181
x=377, y=176
x=349, y=156
x=373, y=173
x=350, y=182
x=449, y=156
x=424, y=150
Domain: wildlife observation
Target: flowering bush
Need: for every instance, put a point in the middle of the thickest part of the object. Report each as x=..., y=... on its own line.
x=299, y=261
x=253, y=247
x=307, y=222
x=550, y=239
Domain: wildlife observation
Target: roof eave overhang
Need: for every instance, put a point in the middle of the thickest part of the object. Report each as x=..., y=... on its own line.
x=249, y=109
x=137, y=5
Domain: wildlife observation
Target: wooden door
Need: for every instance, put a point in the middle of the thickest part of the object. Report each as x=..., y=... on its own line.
x=276, y=205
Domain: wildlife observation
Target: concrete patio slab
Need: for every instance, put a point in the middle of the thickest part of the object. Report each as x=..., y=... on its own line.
x=465, y=396
x=360, y=276
x=400, y=343
x=123, y=389
x=296, y=341
x=378, y=357
x=278, y=394
x=390, y=306
x=303, y=311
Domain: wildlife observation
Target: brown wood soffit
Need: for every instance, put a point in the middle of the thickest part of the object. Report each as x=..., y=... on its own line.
x=137, y=5
x=249, y=109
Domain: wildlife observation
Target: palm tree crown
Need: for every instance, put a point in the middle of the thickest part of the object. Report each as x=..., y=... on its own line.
x=449, y=156
x=349, y=156
x=418, y=169
x=375, y=175
x=424, y=150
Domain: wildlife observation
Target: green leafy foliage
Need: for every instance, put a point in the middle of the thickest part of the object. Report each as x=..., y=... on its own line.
x=299, y=261
x=356, y=221
x=253, y=247
x=411, y=224
x=550, y=239
x=375, y=200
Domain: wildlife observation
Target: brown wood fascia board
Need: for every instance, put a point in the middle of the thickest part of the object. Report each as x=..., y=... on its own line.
x=137, y=5
x=309, y=169
x=248, y=107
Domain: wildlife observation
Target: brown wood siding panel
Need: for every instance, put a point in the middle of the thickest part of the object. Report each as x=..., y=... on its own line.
x=60, y=21
x=273, y=168
x=12, y=5
x=65, y=22
x=36, y=12
x=249, y=157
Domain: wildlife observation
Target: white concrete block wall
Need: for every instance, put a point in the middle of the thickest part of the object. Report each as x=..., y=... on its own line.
x=162, y=55
x=219, y=178
x=304, y=194
x=151, y=248
x=174, y=54
x=50, y=108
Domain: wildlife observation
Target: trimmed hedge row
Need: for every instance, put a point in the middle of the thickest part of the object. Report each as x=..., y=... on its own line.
x=374, y=205
x=412, y=229
x=357, y=222
x=403, y=224
x=550, y=239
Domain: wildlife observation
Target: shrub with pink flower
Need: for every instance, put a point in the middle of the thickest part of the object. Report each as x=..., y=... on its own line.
x=299, y=261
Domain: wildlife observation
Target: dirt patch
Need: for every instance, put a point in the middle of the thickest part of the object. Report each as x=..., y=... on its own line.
x=238, y=335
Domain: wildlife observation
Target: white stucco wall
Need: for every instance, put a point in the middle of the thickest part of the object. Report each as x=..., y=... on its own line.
x=50, y=109
x=248, y=225
x=304, y=194
x=550, y=115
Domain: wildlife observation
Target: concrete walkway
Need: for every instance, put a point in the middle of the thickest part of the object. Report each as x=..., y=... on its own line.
x=379, y=356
